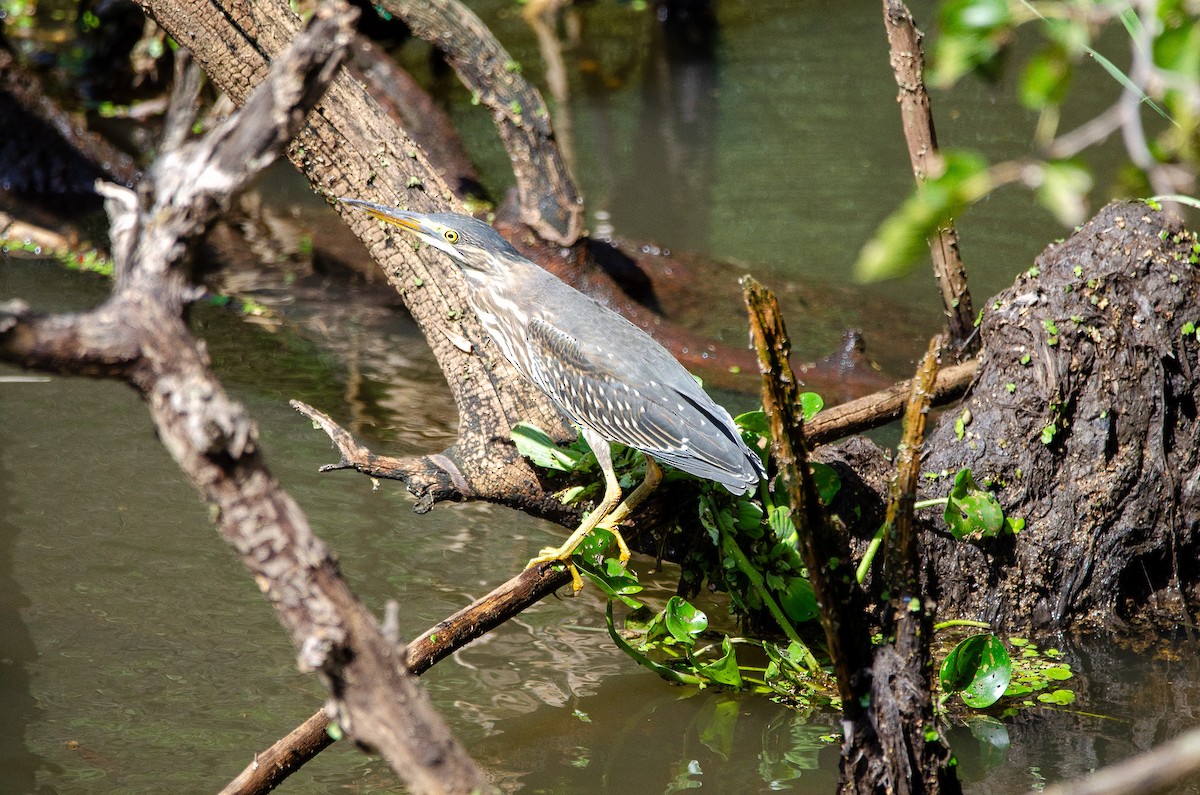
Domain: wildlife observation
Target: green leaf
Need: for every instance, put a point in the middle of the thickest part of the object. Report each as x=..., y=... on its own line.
x=779, y=517
x=979, y=669
x=1060, y=697
x=1048, y=433
x=973, y=34
x=901, y=239
x=754, y=422
x=749, y=515
x=1178, y=49
x=684, y=621
x=536, y=445
x=972, y=512
x=611, y=577
x=799, y=601
x=827, y=481
x=1057, y=672
x=669, y=674
x=1045, y=79
x=958, y=16
x=810, y=404
x=723, y=671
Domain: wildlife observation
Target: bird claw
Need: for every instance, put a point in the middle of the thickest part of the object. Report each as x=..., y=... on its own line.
x=563, y=555
x=624, y=553
x=556, y=555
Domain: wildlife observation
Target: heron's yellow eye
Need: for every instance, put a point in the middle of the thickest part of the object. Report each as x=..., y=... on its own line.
x=450, y=235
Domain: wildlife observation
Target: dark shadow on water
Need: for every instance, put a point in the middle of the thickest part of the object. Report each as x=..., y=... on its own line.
x=18, y=654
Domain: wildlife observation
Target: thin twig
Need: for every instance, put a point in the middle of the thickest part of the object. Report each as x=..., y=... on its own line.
x=908, y=65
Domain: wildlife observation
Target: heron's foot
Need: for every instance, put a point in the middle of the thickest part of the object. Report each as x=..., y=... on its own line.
x=560, y=555
x=611, y=527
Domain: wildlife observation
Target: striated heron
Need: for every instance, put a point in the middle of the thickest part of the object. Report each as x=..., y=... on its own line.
x=607, y=376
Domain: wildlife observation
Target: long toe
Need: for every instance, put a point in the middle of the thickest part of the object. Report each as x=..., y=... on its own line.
x=556, y=555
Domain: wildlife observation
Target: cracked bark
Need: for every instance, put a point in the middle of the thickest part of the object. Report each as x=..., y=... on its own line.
x=140, y=335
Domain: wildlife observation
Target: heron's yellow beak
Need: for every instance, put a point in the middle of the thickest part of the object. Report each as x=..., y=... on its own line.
x=401, y=218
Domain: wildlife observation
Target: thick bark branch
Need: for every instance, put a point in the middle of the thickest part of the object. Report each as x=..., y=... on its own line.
x=350, y=146
x=212, y=438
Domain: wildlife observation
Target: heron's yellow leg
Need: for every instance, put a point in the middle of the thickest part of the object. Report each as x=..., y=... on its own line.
x=635, y=498
x=612, y=496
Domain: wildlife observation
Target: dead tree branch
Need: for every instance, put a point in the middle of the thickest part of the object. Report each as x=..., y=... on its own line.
x=272, y=766
x=350, y=146
x=886, y=702
x=900, y=710
x=140, y=334
x=908, y=65
x=549, y=202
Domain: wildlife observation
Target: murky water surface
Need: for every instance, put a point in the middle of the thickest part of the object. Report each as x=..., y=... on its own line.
x=137, y=656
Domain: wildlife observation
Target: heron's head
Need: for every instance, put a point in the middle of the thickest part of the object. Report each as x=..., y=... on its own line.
x=470, y=242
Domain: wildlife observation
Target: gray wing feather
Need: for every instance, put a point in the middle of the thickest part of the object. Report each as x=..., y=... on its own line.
x=643, y=398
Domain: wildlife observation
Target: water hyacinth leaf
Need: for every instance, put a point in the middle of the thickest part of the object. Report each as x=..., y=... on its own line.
x=799, y=601
x=595, y=545
x=536, y=445
x=754, y=422
x=978, y=669
x=827, y=480
x=670, y=674
x=684, y=621
x=749, y=516
x=611, y=577
x=972, y=512
x=723, y=671
x=779, y=517
x=810, y=404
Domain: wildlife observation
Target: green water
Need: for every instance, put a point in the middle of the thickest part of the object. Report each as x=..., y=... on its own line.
x=137, y=656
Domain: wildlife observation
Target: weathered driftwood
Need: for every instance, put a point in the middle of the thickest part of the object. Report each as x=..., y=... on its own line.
x=141, y=335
